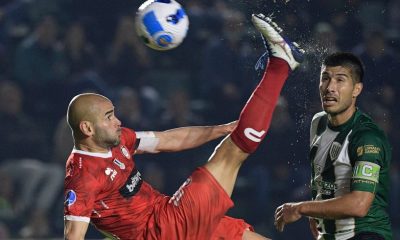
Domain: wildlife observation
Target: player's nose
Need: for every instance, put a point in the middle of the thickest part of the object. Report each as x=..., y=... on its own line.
x=118, y=122
x=331, y=86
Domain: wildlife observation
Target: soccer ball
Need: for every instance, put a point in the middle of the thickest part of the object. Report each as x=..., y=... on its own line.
x=161, y=24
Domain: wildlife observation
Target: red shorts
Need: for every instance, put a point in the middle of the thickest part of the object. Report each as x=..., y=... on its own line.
x=196, y=211
x=230, y=228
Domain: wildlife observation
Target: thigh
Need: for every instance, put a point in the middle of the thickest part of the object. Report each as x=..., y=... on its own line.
x=230, y=229
x=195, y=210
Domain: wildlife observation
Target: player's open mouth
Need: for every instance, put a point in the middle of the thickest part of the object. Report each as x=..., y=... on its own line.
x=329, y=100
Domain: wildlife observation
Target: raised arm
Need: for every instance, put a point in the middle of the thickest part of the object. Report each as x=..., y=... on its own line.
x=75, y=230
x=183, y=138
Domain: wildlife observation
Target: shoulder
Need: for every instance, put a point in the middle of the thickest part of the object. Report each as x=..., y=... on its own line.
x=318, y=116
x=127, y=132
x=367, y=142
x=84, y=173
x=83, y=166
x=318, y=124
x=366, y=130
x=128, y=138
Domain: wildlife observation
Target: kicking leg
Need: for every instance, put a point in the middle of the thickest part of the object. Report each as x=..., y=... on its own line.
x=256, y=116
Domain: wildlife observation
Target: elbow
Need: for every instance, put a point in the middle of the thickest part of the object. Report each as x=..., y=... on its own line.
x=360, y=211
x=360, y=203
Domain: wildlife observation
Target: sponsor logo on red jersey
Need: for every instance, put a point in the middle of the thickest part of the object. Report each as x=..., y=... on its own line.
x=132, y=184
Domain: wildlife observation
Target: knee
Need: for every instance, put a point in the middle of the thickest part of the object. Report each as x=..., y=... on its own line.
x=229, y=151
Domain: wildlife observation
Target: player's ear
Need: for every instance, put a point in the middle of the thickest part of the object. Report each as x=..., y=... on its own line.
x=86, y=128
x=357, y=89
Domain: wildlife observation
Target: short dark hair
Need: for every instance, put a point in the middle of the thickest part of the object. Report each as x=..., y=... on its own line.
x=348, y=60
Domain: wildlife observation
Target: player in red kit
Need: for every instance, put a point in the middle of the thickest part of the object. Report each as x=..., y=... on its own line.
x=104, y=187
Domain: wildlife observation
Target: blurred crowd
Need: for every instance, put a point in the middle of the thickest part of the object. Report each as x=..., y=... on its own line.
x=51, y=50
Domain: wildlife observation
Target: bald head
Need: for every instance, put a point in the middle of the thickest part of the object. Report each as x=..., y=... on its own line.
x=84, y=107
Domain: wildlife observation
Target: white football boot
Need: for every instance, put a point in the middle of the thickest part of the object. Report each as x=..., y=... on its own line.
x=277, y=45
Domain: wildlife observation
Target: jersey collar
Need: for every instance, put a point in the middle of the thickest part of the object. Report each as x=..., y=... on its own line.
x=345, y=125
x=93, y=154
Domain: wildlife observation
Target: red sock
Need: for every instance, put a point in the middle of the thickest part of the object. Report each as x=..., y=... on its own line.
x=255, y=118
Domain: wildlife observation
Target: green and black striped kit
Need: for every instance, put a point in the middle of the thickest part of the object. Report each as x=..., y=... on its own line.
x=354, y=156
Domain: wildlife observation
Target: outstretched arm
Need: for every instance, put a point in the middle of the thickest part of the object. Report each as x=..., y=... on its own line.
x=183, y=138
x=353, y=204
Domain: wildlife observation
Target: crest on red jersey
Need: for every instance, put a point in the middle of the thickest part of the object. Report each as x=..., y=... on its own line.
x=119, y=163
x=125, y=152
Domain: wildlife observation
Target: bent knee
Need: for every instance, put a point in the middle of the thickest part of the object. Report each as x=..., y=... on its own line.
x=228, y=150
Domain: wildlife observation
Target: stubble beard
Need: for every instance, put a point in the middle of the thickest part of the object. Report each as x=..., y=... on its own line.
x=112, y=142
x=108, y=141
x=334, y=113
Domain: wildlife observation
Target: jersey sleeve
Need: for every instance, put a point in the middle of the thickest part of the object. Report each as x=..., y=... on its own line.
x=147, y=141
x=367, y=155
x=129, y=139
x=80, y=191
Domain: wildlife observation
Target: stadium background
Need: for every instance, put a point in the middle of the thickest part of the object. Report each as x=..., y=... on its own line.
x=51, y=50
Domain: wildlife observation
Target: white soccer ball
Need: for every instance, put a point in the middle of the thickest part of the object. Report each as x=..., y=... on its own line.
x=161, y=24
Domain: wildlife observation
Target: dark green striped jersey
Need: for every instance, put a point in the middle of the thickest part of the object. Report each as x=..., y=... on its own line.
x=352, y=156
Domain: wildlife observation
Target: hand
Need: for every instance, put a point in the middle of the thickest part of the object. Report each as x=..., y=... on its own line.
x=229, y=127
x=286, y=213
x=313, y=227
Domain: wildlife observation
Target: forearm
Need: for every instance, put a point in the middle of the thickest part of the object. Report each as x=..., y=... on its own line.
x=355, y=204
x=326, y=209
x=179, y=139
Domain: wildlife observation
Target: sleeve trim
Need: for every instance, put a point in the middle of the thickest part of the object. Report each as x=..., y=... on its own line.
x=77, y=218
x=147, y=141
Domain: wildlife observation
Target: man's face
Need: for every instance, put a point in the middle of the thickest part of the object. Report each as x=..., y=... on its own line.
x=337, y=89
x=107, y=126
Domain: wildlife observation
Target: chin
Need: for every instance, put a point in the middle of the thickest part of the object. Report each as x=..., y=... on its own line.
x=327, y=109
x=331, y=111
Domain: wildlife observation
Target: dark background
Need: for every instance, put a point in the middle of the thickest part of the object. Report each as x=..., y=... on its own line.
x=51, y=50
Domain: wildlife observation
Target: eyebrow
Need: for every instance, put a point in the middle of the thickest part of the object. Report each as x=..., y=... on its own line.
x=338, y=74
x=109, y=112
x=342, y=74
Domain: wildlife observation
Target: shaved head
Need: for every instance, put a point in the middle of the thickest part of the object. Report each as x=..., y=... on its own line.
x=93, y=122
x=84, y=107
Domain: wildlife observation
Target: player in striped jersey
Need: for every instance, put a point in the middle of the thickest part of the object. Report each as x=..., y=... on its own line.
x=350, y=159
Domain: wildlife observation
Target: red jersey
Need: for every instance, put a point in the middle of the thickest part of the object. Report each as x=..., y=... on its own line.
x=107, y=189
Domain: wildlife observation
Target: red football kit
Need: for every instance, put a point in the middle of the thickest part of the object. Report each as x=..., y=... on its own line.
x=107, y=190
